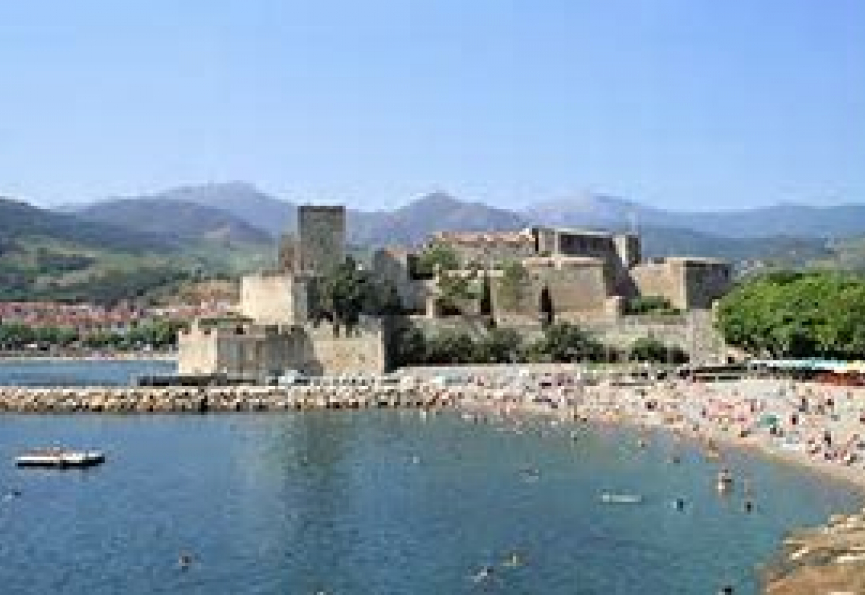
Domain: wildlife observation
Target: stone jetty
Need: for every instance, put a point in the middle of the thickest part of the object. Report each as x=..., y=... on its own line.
x=214, y=399
x=827, y=559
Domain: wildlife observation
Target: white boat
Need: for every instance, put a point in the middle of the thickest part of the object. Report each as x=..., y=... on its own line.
x=610, y=498
x=59, y=457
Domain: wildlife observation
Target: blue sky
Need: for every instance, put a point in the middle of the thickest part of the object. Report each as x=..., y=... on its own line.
x=685, y=104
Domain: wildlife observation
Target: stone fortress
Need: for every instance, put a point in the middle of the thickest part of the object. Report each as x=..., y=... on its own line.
x=273, y=331
x=579, y=275
x=585, y=277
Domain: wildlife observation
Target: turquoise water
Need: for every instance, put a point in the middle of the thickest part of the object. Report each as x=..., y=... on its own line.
x=39, y=372
x=382, y=502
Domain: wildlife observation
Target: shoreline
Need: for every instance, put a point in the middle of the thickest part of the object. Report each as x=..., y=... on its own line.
x=814, y=428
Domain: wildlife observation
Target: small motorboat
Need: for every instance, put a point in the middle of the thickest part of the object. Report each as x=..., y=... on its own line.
x=611, y=498
x=59, y=457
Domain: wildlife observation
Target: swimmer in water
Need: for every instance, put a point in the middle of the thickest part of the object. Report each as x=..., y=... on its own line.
x=513, y=560
x=482, y=574
x=184, y=561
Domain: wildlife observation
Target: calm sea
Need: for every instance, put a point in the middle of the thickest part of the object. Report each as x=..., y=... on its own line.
x=382, y=502
x=49, y=372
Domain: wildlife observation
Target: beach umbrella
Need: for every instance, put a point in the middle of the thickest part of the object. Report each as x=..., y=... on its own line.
x=769, y=419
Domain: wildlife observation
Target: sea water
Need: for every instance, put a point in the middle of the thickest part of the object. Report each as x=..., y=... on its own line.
x=70, y=372
x=384, y=502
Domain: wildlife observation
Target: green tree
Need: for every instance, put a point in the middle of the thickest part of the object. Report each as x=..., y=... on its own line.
x=436, y=257
x=788, y=314
x=649, y=349
x=565, y=342
x=499, y=346
x=450, y=347
x=408, y=346
x=348, y=291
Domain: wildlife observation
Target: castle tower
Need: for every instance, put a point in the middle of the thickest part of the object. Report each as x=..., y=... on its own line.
x=321, y=238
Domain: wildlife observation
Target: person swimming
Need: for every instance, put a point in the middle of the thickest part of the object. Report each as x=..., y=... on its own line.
x=184, y=560
x=483, y=574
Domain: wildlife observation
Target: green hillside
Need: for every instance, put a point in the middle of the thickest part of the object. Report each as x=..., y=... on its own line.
x=49, y=255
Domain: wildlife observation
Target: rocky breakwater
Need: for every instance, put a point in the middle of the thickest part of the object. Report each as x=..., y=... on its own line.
x=213, y=399
x=827, y=559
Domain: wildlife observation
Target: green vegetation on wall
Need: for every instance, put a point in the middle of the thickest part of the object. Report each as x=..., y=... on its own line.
x=650, y=304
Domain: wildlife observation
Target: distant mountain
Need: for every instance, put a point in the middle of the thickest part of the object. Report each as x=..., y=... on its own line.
x=243, y=201
x=416, y=221
x=178, y=219
x=779, y=250
x=596, y=210
x=839, y=221
x=21, y=222
x=787, y=234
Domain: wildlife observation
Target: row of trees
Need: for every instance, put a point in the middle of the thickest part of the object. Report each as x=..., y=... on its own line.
x=797, y=314
x=157, y=334
x=560, y=343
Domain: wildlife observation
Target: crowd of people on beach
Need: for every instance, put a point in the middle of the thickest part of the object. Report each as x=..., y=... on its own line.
x=815, y=424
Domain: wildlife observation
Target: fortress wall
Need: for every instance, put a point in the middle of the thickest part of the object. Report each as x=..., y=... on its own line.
x=663, y=279
x=705, y=281
x=243, y=349
x=196, y=352
x=523, y=303
x=394, y=267
x=688, y=283
x=577, y=286
x=326, y=350
x=574, y=284
x=488, y=253
x=272, y=299
x=693, y=331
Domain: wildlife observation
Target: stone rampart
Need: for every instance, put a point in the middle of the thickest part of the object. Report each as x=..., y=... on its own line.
x=273, y=298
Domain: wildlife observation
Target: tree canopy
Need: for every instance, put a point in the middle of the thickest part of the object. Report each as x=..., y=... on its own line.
x=348, y=291
x=791, y=314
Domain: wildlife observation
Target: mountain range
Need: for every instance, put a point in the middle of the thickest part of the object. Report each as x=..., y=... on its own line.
x=124, y=246
x=224, y=229
x=240, y=212
x=412, y=223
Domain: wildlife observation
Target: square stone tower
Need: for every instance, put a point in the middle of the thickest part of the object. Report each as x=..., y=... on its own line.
x=321, y=238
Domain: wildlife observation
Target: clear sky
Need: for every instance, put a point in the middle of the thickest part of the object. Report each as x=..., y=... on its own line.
x=686, y=104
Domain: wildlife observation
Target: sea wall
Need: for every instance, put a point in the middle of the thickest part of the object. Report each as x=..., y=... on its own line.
x=214, y=399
